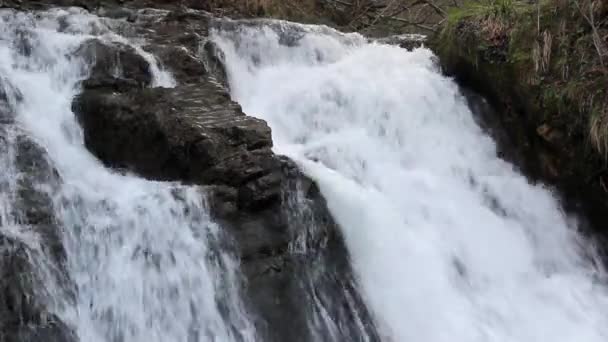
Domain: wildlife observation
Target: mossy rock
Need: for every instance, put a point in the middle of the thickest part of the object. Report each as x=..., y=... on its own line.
x=538, y=64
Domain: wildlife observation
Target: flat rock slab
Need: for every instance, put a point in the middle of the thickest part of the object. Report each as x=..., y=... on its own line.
x=191, y=133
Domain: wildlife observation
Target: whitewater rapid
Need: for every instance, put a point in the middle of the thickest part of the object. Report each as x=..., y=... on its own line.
x=143, y=256
x=449, y=242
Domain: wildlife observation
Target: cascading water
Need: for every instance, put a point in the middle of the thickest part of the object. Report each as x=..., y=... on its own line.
x=449, y=242
x=143, y=255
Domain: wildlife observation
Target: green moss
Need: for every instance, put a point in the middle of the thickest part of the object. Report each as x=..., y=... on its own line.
x=545, y=51
x=469, y=9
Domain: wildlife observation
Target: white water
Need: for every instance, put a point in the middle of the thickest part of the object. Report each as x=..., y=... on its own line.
x=143, y=255
x=449, y=242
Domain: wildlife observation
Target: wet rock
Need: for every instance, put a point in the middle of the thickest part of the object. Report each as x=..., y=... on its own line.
x=176, y=41
x=53, y=330
x=404, y=41
x=34, y=205
x=116, y=66
x=42, y=4
x=23, y=314
x=214, y=60
x=192, y=133
x=38, y=179
x=115, y=12
x=29, y=180
x=260, y=225
x=313, y=272
x=8, y=94
x=34, y=176
x=184, y=64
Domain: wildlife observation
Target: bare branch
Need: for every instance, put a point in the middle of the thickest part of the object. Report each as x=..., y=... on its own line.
x=405, y=21
x=416, y=13
x=438, y=9
x=598, y=42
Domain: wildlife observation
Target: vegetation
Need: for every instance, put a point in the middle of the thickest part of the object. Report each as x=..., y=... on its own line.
x=296, y=10
x=382, y=16
x=555, y=49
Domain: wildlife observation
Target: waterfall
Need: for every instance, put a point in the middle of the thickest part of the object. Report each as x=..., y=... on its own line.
x=143, y=256
x=448, y=242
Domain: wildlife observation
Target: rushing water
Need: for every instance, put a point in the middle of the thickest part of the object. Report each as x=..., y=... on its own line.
x=449, y=242
x=143, y=255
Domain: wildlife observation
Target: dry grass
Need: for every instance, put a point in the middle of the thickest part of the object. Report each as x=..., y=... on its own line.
x=390, y=16
x=541, y=53
x=595, y=15
x=301, y=10
x=598, y=132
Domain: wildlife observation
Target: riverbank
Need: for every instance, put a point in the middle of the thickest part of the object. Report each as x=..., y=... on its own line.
x=542, y=66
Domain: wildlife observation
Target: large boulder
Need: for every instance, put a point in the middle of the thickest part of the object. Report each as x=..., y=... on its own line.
x=115, y=65
x=194, y=133
x=404, y=41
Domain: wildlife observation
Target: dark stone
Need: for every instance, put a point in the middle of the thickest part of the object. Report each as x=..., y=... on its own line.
x=116, y=66
x=24, y=43
x=176, y=41
x=53, y=330
x=115, y=12
x=38, y=178
x=195, y=134
x=184, y=64
x=23, y=317
x=214, y=59
x=21, y=290
x=404, y=41
x=8, y=94
x=282, y=281
x=43, y=4
x=23, y=313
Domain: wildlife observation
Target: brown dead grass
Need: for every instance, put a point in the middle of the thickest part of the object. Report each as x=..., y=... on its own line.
x=298, y=10
x=598, y=133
